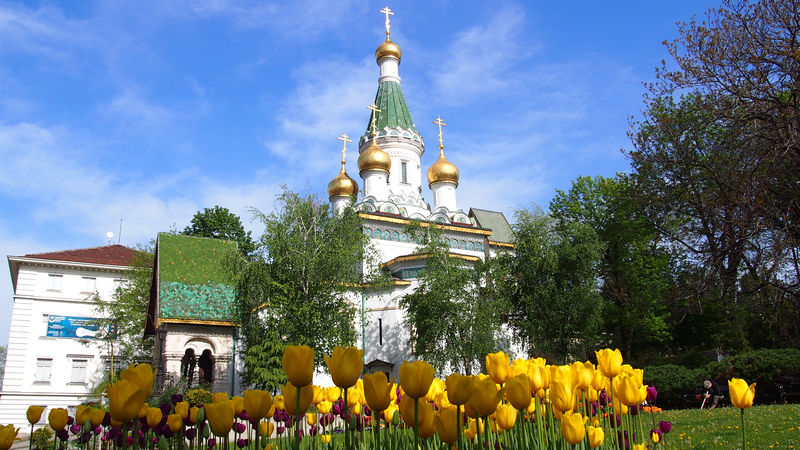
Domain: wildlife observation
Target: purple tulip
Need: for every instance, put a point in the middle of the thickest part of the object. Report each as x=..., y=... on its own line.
x=75, y=428
x=70, y=420
x=190, y=433
x=129, y=441
x=176, y=398
x=652, y=394
x=336, y=409
x=212, y=442
x=242, y=443
x=313, y=431
x=239, y=427
x=634, y=410
x=244, y=416
x=280, y=429
x=107, y=420
x=603, y=398
x=62, y=434
x=665, y=427
x=656, y=432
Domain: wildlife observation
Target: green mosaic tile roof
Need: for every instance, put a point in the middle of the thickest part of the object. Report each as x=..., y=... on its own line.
x=495, y=221
x=192, y=284
x=394, y=110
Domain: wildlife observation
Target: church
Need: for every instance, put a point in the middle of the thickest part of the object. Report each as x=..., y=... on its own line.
x=191, y=306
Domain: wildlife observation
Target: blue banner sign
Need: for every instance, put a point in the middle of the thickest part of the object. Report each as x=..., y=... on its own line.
x=79, y=327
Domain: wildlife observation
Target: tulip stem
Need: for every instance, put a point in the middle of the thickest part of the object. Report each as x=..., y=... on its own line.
x=485, y=430
x=458, y=427
x=346, y=420
x=297, y=413
x=744, y=441
x=416, y=423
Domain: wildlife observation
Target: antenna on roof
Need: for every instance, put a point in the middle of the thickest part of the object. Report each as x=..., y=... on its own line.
x=109, y=236
x=119, y=236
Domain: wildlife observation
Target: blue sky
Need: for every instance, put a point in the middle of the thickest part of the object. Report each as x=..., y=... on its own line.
x=148, y=111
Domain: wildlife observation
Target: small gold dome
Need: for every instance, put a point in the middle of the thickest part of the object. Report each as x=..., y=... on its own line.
x=388, y=48
x=442, y=171
x=342, y=186
x=374, y=158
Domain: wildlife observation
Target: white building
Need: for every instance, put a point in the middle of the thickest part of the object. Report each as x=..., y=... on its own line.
x=54, y=357
x=390, y=167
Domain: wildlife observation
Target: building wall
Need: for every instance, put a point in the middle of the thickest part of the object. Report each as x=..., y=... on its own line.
x=67, y=383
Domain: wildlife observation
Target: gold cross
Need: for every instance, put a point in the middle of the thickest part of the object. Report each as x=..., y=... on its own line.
x=374, y=108
x=387, y=12
x=344, y=140
x=439, y=122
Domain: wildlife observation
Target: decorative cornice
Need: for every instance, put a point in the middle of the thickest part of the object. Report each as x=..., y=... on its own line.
x=419, y=256
x=502, y=244
x=196, y=322
x=398, y=220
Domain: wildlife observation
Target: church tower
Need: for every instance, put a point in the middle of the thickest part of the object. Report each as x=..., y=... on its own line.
x=342, y=190
x=391, y=129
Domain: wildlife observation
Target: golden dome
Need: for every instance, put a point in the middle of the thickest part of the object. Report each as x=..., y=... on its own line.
x=342, y=186
x=442, y=171
x=388, y=48
x=374, y=158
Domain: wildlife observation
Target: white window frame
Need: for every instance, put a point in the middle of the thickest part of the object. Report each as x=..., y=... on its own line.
x=74, y=361
x=89, y=285
x=38, y=376
x=404, y=172
x=54, y=282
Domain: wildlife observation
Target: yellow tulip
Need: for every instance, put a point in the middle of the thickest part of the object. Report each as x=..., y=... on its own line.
x=425, y=426
x=584, y=373
x=572, y=427
x=193, y=412
x=345, y=365
x=238, y=405
x=377, y=390
x=562, y=396
x=154, y=416
x=639, y=447
x=174, y=422
x=354, y=396
x=475, y=427
x=518, y=391
x=8, y=434
x=96, y=416
x=266, y=429
x=741, y=394
x=57, y=418
x=311, y=419
x=485, y=397
x=219, y=397
x=592, y=394
x=609, y=361
x=519, y=366
x=125, y=399
x=332, y=394
x=319, y=394
x=325, y=438
x=498, y=366
x=596, y=436
x=619, y=407
x=141, y=375
x=290, y=398
x=563, y=375
x=298, y=363
x=437, y=386
x=82, y=414
x=257, y=403
x=279, y=402
x=356, y=409
x=220, y=416
x=441, y=401
x=505, y=416
x=539, y=377
x=389, y=412
x=628, y=389
x=445, y=422
x=324, y=407
x=34, y=414
x=459, y=388
x=406, y=407
x=599, y=381
x=182, y=409
x=416, y=378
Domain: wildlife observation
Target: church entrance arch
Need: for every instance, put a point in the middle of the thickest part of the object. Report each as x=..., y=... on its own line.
x=199, y=352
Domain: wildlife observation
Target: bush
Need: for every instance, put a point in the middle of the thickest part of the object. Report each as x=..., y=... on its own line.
x=759, y=366
x=198, y=396
x=41, y=439
x=672, y=382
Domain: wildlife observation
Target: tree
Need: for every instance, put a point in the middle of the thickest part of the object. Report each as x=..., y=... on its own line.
x=296, y=288
x=128, y=310
x=457, y=310
x=220, y=223
x=556, y=304
x=635, y=270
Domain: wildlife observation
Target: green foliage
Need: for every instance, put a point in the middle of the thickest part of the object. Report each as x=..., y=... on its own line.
x=263, y=363
x=197, y=397
x=457, y=310
x=129, y=311
x=307, y=262
x=556, y=304
x=634, y=269
x=42, y=438
x=672, y=382
x=220, y=223
x=762, y=367
x=167, y=391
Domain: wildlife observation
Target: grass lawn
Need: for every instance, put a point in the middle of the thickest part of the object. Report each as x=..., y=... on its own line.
x=770, y=426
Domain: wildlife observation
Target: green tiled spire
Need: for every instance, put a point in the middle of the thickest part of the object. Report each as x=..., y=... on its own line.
x=394, y=110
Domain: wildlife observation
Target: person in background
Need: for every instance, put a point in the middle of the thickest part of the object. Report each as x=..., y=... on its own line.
x=711, y=394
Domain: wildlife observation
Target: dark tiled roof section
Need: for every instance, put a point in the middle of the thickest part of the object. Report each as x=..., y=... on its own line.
x=394, y=110
x=115, y=255
x=212, y=301
x=496, y=221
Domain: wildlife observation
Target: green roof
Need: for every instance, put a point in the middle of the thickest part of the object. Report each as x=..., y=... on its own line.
x=191, y=281
x=495, y=221
x=394, y=110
